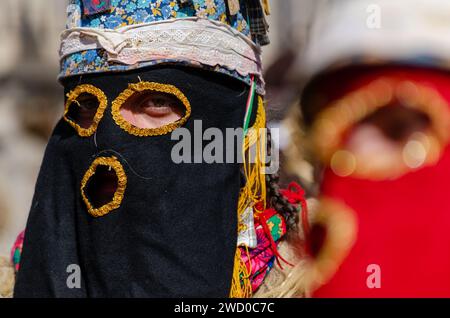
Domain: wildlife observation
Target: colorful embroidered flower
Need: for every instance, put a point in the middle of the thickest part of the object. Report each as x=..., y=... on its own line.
x=131, y=6
x=77, y=57
x=120, y=11
x=113, y=22
x=140, y=16
x=95, y=23
x=156, y=13
x=174, y=5
x=125, y=11
x=90, y=56
x=149, y=18
x=221, y=9
x=143, y=4
x=166, y=11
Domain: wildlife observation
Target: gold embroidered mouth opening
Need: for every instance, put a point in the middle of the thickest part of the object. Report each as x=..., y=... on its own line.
x=103, y=186
x=421, y=148
x=84, y=109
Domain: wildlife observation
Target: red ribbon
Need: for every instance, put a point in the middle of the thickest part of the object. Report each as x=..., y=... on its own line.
x=296, y=195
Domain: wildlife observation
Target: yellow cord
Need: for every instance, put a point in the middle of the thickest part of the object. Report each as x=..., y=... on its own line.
x=254, y=191
x=241, y=286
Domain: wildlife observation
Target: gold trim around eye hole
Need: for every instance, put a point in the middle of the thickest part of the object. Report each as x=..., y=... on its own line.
x=102, y=100
x=149, y=86
x=113, y=163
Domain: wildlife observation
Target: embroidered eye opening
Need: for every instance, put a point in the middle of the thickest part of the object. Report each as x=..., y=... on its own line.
x=103, y=186
x=150, y=109
x=332, y=236
x=84, y=109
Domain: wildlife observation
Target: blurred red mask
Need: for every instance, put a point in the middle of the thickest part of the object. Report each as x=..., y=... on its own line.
x=382, y=228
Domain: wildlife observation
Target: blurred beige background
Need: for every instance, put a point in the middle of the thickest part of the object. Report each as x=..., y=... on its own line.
x=31, y=100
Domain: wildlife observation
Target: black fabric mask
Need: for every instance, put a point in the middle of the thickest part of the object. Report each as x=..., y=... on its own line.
x=174, y=232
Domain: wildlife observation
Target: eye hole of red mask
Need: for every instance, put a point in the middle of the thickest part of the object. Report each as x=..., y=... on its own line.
x=151, y=109
x=85, y=107
x=316, y=240
x=383, y=130
x=397, y=123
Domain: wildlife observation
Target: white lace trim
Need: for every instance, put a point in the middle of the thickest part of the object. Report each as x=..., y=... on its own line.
x=195, y=39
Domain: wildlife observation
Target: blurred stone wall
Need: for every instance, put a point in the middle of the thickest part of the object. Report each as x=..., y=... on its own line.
x=289, y=25
x=30, y=102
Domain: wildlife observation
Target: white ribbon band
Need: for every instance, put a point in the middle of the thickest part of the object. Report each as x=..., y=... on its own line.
x=195, y=39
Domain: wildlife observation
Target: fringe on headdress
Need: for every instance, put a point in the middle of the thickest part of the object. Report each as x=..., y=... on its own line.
x=254, y=191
